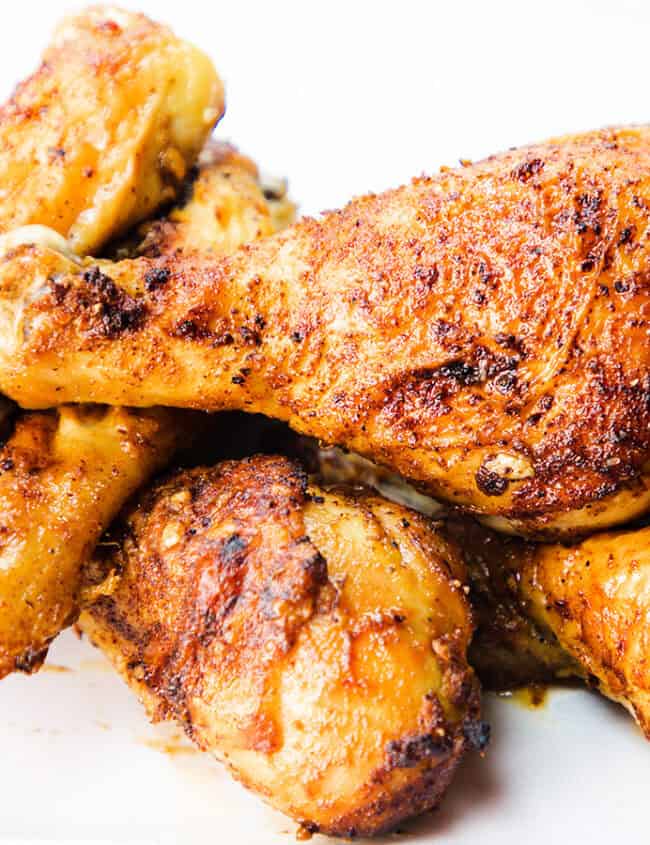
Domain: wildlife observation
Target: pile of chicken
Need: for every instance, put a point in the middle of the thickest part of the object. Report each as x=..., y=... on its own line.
x=481, y=335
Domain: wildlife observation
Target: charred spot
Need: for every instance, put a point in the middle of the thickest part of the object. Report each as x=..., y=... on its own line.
x=425, y=277
x=626, y=235
x=190, y=329
x=509, y=341
x=622, y=285
x=138, y=670
x=506, y=381
x=238, y=379
x=431, y=388
x=484, y=273
x=198, y=487
x=232, y=549
x=528, y=169
x=587, y=265
x=428, y=275
x=59, y=291
x=187, y=189
x=490, y=482
x=408, y=752
x=213, y=622
x=7, y=464
x=461, y=372
x=118, y=311
x=316, y=567
x=297, y=337
x=251, y=337
x=587, y=215
x=30, y=660
x=477, y=733
x=156, y=278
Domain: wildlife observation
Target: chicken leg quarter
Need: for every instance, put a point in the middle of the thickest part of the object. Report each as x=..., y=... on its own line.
x=483, y=332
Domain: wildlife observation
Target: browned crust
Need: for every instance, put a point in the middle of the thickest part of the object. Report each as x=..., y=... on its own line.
x=499, y=309
x=223, y=595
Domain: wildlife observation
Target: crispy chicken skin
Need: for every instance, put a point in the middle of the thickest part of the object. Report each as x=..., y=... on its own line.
x=225, y=207
x=595, y=598
x=552, y=610
x=543, y=612
x=63, y=476
x=510, y=648
x=482, y=332
x=107, y=127
x=314, y=641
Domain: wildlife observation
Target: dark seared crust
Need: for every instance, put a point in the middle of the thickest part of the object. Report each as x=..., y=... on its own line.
x=509, y=649
x=496, y=310
x=239, y=613
x=548, y=611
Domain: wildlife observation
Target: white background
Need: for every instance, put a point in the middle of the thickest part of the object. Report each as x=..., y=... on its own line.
x=342, y=98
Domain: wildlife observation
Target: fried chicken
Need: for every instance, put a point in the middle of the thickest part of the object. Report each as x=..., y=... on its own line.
x=482, y=332
x=315, y=641
x=64, y=475
x=589, y=602
x=106, y=129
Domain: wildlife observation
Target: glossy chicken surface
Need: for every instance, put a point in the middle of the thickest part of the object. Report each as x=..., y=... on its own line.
x=106, y=129
x=544, y=612
x=482, y=332
x=595, y=598
x=313, y=640
x=63, y=477
x=549, y=611
x=225, y=207
x=76, y=468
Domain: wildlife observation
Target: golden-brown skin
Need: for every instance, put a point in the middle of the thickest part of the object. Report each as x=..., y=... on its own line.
x=509, y=649
x=548, y=611
x=482, y=332
x=63, y=477
x=106, y=129
x=314, y=641
x=595, y=598
x=225, y=207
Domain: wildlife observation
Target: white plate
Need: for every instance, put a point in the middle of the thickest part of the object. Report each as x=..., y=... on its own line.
x=80, y=762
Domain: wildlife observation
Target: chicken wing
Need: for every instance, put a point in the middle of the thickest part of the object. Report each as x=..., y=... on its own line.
x=106, y=129
x=314, y=641
x=63, y=477
x=482, y=332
